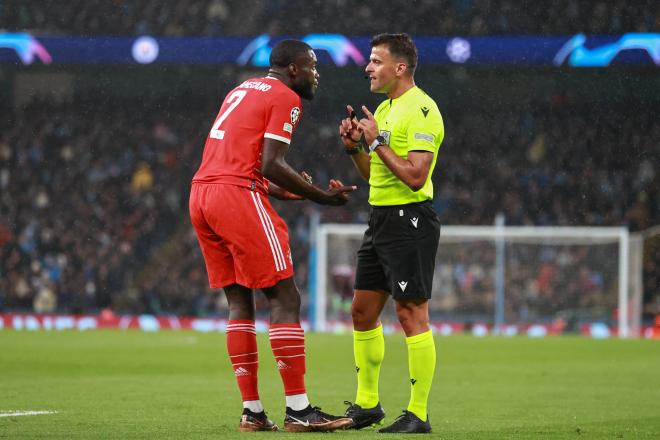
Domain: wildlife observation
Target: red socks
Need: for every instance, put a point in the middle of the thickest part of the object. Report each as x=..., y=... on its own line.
x=288, y=344
x=242, y=348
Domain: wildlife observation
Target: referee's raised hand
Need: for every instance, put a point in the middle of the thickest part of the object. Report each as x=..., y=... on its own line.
x=368, y=126
x=349, y=131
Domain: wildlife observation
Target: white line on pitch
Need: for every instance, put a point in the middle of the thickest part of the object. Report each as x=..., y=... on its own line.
x=25, y=413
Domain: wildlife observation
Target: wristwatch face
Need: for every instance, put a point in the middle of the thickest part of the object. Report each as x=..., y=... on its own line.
x=381, y=140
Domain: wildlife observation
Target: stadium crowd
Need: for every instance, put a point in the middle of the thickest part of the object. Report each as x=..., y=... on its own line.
x=83, y=201
x=93, y=205
x=296, y=17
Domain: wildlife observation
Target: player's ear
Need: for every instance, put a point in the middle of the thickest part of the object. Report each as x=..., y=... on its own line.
x=293, y=70
x=401, y=69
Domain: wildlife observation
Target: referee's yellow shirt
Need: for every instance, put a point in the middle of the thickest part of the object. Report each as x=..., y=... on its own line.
x=408, y=123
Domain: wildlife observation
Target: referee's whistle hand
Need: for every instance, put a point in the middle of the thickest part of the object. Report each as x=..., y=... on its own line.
x=350, y=134
x=366, y=111
x=352, y=115
x=368, y=125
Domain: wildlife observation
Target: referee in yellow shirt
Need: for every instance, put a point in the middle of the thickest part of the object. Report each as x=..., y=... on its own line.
x=395, y=149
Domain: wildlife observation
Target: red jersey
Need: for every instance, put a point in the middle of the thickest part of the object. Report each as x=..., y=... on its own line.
x=258, y=108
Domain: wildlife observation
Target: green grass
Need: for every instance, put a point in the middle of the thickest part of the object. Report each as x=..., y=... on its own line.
x=179, y=385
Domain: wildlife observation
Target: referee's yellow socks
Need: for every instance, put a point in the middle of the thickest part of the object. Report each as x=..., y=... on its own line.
x=369, y=351
x=421, y=364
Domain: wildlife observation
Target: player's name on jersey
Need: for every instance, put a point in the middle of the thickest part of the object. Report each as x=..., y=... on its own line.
x=257, y=85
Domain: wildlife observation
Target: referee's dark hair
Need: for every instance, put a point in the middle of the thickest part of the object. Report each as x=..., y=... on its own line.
x=288, y=51
x=399, y=45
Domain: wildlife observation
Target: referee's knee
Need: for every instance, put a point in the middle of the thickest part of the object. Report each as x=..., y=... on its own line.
x=363, y=318
x=413, y=318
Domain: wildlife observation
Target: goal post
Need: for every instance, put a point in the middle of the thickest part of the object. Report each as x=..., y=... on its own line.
x=501, y=275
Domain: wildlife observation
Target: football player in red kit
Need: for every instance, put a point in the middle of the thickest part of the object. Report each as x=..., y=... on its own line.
x=244, y=241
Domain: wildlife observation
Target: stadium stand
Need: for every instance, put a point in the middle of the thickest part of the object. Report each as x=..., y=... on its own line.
x=93, y=205
x=295, y=17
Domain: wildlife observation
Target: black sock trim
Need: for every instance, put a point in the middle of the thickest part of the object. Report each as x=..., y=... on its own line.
x=301, y=413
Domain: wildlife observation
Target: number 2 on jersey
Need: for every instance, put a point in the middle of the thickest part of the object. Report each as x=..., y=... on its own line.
x=233, y=100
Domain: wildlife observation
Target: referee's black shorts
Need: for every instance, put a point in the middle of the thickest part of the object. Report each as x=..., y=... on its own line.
x=398, y=251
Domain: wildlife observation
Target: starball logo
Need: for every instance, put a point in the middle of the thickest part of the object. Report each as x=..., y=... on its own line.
x=340, y=49
x=576, y=54
x=27, y=47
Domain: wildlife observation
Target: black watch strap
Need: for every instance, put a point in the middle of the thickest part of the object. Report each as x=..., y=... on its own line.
x=352, y=151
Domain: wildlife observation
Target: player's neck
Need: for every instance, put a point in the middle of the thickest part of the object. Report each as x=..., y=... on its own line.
x=279, y=76
x=401, y=87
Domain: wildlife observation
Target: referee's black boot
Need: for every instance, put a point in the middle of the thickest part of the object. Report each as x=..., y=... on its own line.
x=408, y=423
x=364, y=417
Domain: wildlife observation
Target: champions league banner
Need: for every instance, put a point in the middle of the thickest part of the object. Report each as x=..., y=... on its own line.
x=636, y=49
x=149, y=323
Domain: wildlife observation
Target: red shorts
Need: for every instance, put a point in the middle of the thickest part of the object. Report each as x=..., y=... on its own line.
x=243, y=240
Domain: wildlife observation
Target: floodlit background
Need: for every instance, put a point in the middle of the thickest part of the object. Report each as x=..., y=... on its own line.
x=551, y=118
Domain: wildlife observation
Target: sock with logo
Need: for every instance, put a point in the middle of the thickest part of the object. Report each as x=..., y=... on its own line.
x=288, y=344
x=369, y=351
x=242, y=349
x=421, y=364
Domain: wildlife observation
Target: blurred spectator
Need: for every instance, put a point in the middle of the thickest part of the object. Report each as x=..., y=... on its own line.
x=45, y=301
x=143, y=178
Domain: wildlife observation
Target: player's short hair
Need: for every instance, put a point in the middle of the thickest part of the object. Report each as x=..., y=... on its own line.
x=399, y=45
x=288, y=51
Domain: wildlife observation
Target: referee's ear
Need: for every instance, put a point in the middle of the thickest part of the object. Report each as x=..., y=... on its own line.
x=401, y=69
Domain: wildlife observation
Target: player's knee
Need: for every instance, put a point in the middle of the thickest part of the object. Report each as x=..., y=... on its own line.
x=284, y=313
x=285, y=307
x=287, y=298
x=291, y=302
x=241, y=310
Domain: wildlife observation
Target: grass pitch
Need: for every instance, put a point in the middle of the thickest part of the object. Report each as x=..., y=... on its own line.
x=179, y=385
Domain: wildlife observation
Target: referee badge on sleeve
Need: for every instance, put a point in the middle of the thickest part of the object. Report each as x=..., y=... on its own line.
x=424, y=137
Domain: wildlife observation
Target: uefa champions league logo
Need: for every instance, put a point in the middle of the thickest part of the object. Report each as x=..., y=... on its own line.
x=26, y=47
x=578, y=55
x=340, y=49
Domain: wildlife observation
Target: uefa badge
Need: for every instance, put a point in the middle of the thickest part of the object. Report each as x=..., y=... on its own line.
x=295, y=114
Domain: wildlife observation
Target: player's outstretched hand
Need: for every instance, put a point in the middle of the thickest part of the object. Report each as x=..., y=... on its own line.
x=338, y=192
x=348, y=129
x=368, y=126
x=334, y=183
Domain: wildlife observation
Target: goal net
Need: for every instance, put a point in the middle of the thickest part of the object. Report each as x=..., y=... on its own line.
x=499, y=277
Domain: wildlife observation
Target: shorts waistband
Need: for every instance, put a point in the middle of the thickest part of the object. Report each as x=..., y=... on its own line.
x=244, y=182
x=407, y=205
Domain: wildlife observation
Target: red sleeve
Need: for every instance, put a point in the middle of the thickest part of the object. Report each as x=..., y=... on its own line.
x=285, y=112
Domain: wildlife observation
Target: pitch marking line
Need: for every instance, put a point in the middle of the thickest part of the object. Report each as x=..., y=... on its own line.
x=25, y=413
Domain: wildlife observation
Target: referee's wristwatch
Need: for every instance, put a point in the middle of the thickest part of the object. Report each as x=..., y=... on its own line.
x=380, y=140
